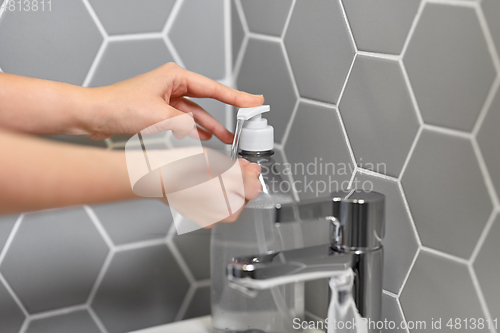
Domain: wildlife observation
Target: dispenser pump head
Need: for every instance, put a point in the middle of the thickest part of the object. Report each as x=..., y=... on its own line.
x=256, y=134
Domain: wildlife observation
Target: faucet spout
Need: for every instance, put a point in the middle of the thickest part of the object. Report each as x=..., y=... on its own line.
x=279, y=268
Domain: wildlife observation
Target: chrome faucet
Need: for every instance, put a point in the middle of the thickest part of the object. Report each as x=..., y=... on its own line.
x=353, y=261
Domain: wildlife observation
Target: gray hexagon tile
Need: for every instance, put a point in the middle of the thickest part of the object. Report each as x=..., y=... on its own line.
x=266, y=17
x=446, y=193
x=125, y=59
x=440, y=288
x=449, y=44
x=491, y=10
x=141, y=288
x=317, y=151
x=381, y=26
x=391, y=312
x=59, y=44
x=488, y=138
x=200, y=304
x=134, y=220
x=6, y=224
x=400, y=242
x=237, y=32
x=201, y=49
x=378, y=114
x=195, y=250
x=54, y=259
x=264, y=71
x=317, y=35
x=487, y=268
x=127, y=17
x=11, y=316
x=74, y=322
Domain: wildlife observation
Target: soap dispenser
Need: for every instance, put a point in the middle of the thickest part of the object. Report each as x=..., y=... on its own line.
x=254, y=232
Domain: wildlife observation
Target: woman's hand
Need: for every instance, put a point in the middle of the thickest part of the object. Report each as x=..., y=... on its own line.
x=132, y=105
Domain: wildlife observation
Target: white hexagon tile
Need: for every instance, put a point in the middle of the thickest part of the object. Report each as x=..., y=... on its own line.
x=409, y=84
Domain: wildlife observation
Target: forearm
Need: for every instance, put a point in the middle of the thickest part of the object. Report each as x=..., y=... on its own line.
x=35, y=106
x=39, y=174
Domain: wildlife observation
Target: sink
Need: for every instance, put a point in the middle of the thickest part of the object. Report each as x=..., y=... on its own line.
x=196, y=325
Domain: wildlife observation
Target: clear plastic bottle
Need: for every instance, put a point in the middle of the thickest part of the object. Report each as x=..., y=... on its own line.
x=255, y=232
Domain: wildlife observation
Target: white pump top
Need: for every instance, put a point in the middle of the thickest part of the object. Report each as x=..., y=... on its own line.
x=256, y=134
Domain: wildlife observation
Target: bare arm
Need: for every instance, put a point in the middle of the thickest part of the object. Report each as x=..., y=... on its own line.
x=39, y=174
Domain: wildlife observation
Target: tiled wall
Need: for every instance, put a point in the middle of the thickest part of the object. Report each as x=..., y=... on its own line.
x=115, y=267
x=406, y=93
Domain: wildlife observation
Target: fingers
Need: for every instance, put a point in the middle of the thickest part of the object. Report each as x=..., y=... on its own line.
x=205, y=119
x=251, y=183
x=202, y=87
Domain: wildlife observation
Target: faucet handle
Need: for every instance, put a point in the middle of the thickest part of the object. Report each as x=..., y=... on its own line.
x=357, y=218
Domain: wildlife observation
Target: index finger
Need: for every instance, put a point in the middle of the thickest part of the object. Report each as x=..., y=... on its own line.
x=202, y=87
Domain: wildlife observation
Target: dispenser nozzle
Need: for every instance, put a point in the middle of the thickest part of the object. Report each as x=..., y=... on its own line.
x=247, y=113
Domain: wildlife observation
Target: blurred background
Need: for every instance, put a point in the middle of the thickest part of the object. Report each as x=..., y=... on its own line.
x=409, y=84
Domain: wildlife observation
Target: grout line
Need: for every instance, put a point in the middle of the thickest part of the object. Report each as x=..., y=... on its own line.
x=384, y=56
x=263, y=37
x=480, y=296
x=2, y=8
x=410, y=269
x=445, y=255
x=487, y=105
x=411, y=92
x=138, y=36
x=104, y=234
x=180, y=261
x=348, y=25
x=364, y=171
x=243, y=18
x=344, y=86
x=413, y=27
x=317, y=103
x=97, y=320
x=173, y=51
x=290, y=69
x=288, y=127
x=408, y=211
x=410, y=153
x=58, y=312
x=13, y=295
x=402, y=313
x=288, y=19
x=171, y=17
x=10, y=239
x=185, y=303
x=95, y=63
x=448, y=131
x=459, y=3
x=483, y=22
x=351, y=180
x=486, y=174
x=389, y=293
x=203, y=283
x=347, y=141
x=484, y=234
x=96, y=19
x=239, y=59
x=295, y=194
x=140, y=245
x=25, y=325
x=100, y=277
